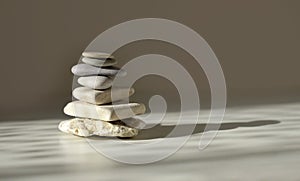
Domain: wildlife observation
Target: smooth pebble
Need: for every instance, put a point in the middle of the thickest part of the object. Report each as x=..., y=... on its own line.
x=101, y=96
x=96, y=82
x=104, y=112
x=87, y=70
x=98, y=55
x=99, y=62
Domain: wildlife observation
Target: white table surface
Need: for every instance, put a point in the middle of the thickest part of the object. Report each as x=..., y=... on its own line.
x=254, y=143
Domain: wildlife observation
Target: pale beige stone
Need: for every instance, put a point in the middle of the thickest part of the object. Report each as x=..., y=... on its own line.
x=103, y=112
x=96, y=82
x=101, y=96
x=87, y=127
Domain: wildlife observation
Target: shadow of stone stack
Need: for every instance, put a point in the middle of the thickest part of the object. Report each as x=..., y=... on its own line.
x=93, y=110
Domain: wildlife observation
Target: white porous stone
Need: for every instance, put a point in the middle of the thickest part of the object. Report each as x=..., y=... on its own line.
x=96, y=82
x=99, y=62
x=101, y=96
x=87, y=70
x=103, y=112
x=98, y=55
x=87, y=127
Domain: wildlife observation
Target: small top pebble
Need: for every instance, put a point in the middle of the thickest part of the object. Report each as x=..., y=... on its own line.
x=99, y=55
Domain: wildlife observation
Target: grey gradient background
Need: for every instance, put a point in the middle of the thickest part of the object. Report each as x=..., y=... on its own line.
x=256, y=42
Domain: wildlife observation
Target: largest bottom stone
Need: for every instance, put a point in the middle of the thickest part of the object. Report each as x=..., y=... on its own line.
x=87, y=127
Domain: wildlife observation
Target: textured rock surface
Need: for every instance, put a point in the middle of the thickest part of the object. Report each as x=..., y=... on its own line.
x=103, y=112
x=96, y=82
x=101, y=96
x=88, y=127
x=86, y=70
x=99, y=62
x=98, y=55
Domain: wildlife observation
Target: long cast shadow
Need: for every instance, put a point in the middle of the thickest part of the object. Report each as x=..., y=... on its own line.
x=162, y=131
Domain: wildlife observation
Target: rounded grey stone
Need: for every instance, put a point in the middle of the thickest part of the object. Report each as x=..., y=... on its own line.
x=96, y=82
x=86, y=70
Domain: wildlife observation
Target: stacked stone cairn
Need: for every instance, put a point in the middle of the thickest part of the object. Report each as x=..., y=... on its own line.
x=94, y=113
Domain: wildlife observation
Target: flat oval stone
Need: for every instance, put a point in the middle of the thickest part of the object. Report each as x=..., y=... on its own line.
x=87, y=127
x=99, y=55
x=86, y=70
x=99, y=62
x=96, y=82
x=101, y=96
x=103, y=112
